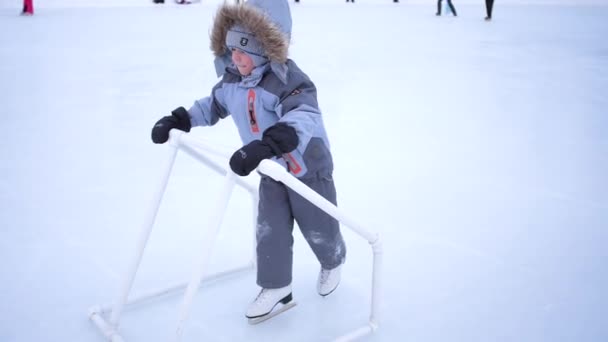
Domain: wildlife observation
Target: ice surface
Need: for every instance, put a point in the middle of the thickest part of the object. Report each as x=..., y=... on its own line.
x=478, y=151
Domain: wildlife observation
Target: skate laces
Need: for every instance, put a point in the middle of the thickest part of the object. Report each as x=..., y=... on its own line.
x=263, y=295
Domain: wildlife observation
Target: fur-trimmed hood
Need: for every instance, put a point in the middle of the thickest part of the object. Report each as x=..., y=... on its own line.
x=274, y=41
x=268, y=20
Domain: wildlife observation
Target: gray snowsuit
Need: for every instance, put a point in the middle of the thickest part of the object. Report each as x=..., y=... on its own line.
x=277, y=91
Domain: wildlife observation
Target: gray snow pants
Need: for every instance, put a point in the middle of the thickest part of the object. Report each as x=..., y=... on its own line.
x=278, y=208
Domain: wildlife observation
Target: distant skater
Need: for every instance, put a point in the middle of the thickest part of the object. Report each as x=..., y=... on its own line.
x=452, y=8
x=28, y=7
x=489, y=5
x=179, y=2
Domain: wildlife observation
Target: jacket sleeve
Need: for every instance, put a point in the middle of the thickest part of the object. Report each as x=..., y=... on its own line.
x=208, y=110
x=299, y=108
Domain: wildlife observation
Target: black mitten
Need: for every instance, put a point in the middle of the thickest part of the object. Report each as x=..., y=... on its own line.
x=276, y=140
x=179, y=119
x=248, y=157
x=281, y=137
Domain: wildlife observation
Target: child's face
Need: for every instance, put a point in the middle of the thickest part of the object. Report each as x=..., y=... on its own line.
x=242, y=61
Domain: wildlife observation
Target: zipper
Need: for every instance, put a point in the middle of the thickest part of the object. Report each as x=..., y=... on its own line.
x=292, y=164
x=253, y=122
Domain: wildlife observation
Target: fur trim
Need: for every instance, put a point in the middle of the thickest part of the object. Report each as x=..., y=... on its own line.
x=274, y=42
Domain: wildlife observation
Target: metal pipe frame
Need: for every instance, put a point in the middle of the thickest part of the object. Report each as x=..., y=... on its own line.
x=197, y=149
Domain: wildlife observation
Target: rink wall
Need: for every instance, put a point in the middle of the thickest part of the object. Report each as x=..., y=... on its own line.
x=135, y=3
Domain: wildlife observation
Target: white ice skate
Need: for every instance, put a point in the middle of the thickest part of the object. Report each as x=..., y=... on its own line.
x=328, y=280
x=263, y=307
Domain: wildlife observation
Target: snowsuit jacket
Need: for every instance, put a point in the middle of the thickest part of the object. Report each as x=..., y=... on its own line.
x=277, y=91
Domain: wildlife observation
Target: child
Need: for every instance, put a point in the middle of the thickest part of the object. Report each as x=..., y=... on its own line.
x=274, y=106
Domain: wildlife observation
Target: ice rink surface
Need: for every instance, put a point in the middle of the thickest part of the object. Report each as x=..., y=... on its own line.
x=478, y=151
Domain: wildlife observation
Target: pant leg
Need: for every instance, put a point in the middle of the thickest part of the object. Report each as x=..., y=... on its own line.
x=28, y=6
x=321, y=231
x=438, y=6
x=452, y=8
x=274, y=235
x=489, y=5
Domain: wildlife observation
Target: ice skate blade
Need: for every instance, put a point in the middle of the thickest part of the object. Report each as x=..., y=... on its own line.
x=257, y=320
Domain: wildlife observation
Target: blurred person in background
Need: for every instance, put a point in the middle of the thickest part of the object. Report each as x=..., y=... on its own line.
x=179, y=2
x=28, y=7
x=452, y=8
x=489, y=5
